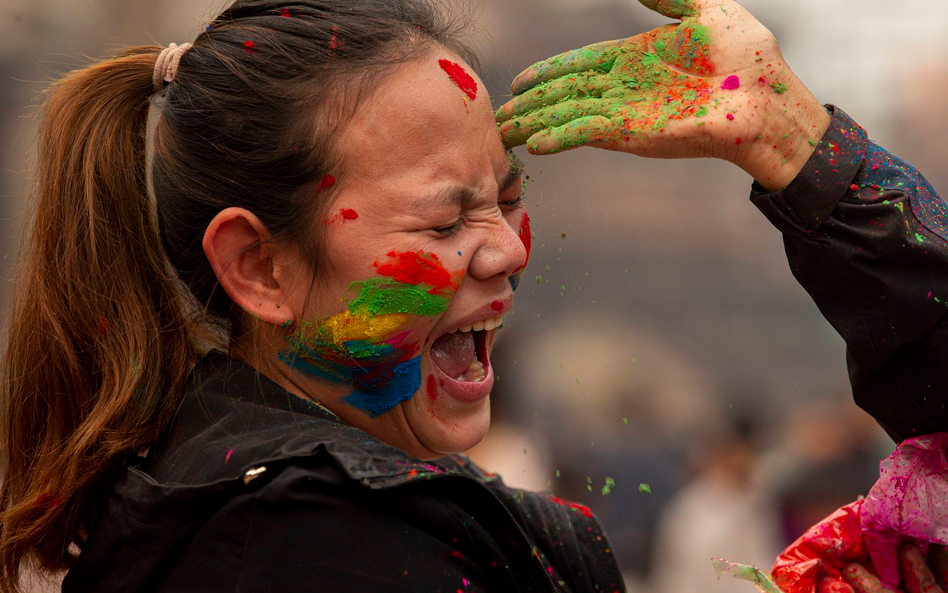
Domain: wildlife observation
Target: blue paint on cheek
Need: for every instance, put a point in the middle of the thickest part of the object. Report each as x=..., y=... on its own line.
x=401, y=385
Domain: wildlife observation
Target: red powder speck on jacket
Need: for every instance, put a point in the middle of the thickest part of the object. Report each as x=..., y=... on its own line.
x=460, y=77
x=581, y=509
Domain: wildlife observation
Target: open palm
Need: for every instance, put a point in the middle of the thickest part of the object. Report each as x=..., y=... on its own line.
x=700, y=88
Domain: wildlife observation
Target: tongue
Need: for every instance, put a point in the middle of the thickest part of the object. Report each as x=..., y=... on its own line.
x=453, y=353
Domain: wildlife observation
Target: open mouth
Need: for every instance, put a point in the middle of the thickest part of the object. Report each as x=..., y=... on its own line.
x=463, y=358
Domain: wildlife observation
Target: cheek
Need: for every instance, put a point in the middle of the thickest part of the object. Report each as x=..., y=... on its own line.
x=374, y=344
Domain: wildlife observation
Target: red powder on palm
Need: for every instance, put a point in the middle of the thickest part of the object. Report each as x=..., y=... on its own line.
x=460, y=77
x=432, y=388
x=414, y=268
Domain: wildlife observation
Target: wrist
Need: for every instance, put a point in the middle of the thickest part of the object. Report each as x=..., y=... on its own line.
x=793, y=124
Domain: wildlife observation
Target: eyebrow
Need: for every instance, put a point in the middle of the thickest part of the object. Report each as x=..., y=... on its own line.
x=516, y=170
x=465, y=196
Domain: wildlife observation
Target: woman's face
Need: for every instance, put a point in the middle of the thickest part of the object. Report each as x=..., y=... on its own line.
x=424, y=244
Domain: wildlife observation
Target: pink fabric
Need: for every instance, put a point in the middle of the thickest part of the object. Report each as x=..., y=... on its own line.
x=909, y=503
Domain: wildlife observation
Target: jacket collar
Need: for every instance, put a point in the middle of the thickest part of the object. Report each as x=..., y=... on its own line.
x=233, y=420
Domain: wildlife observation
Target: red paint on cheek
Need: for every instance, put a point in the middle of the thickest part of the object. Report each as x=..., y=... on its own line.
x=415, y=269
x=526, y=238
x=432, y=388
x=348, y=214
x=460, y=77
x=497, y=306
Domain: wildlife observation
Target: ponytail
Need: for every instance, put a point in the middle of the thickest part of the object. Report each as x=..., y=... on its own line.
x=99, y=345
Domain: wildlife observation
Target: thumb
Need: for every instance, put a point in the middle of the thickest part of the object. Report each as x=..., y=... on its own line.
x=675, y=9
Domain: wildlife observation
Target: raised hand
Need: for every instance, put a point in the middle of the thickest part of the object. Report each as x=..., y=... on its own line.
x=714, y=85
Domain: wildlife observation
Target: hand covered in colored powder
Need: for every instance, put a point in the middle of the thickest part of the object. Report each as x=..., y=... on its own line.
x=714, y=85
x=916, y=575
x=831, y=557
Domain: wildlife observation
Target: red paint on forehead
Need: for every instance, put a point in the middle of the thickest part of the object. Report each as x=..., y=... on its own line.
x=348, y=214
x=415, y=268
x=460, y=77
x=432, y=388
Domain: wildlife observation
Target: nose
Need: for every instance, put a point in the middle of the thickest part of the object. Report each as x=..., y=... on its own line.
x=503, y=252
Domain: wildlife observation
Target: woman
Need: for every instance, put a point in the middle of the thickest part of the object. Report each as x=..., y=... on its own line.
x=324, y=181
x=331, y=189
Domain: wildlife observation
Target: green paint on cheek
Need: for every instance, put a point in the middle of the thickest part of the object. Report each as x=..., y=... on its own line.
x=383, y=296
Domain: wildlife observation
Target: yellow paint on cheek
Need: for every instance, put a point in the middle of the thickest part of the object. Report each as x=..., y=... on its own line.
x=346, y=326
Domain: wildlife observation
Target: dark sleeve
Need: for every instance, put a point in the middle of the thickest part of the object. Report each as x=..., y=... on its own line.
x=867, y=237
x=309, y=537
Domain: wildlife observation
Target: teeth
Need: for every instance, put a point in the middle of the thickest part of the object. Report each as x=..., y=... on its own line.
x=486, y=325
x=475, y=372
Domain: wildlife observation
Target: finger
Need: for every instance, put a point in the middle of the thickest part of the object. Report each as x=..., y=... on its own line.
x=940, y=565
x=675, y=9
x=863, y=581
x=584, y=84
x=915, y=572
x=833, y=586
x=580, y=132
x=598, y=56
x=516, y=131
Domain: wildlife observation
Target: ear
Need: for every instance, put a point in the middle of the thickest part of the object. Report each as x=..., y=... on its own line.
x=255, y=274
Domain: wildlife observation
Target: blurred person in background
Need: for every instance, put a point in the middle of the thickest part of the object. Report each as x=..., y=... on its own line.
x=724, y=511
x=828, y=455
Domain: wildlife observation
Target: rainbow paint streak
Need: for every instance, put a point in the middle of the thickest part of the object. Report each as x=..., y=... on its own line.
x=362, y=346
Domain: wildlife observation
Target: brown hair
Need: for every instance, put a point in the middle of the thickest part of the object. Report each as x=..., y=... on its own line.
x=100, y=341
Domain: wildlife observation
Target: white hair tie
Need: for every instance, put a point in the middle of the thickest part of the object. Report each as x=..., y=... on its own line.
x=166, y=68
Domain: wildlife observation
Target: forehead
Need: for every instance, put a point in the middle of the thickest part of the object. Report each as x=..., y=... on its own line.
x=421, y=126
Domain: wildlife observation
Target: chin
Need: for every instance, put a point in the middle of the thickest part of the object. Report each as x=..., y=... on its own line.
x=447, y=427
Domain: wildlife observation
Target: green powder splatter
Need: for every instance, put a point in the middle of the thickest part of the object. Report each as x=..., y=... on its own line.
x=645, y=488
x=383, y=296
x=607, y=488
x=778, y=87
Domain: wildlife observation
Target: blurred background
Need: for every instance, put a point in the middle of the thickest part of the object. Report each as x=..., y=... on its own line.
x=658, y=337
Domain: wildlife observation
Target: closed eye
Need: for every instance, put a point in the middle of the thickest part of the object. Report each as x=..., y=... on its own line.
x=450, y=231
x=513, y=204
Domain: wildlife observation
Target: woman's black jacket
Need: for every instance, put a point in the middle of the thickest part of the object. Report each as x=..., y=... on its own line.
x=255, y=489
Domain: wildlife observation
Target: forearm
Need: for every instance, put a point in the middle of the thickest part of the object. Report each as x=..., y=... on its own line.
x=865, y=238
x=794, y=122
